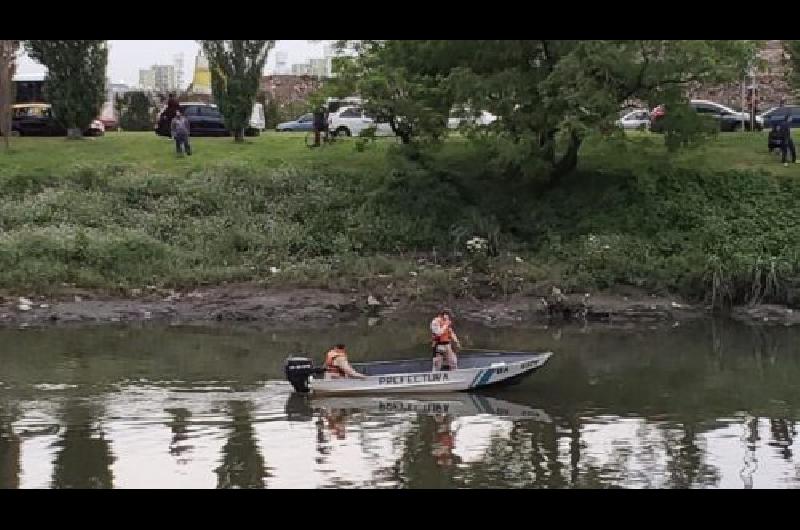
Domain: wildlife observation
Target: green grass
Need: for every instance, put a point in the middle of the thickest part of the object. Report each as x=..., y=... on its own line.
x=642, y=151
x=144, y=151
x=717, y=222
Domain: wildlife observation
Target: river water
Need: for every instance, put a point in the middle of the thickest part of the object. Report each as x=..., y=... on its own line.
x=705, y=405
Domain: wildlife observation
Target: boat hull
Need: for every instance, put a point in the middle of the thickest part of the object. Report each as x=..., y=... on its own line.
x=505, y=369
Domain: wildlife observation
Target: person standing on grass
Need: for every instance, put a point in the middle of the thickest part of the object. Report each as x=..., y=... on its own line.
x=785, y=135
x=320, y=124
x=180, y=132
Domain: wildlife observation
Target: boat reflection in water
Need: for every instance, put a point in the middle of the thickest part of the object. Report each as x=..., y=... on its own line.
x=456, y=404
x=460, y=426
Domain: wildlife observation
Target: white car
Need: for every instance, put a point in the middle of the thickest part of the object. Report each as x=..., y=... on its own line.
x=457, y=118
x=97, y=127
x=351, y=121
x=636, y=119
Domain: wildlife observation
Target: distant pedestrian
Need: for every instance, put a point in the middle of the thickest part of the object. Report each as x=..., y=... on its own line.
x=172, y=106
x=785, y=134
x=180, y=132
x=320, y=124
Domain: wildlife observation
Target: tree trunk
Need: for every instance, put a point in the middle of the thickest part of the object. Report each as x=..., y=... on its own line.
x=7, y=56
x=238, y=135
x=568, y=162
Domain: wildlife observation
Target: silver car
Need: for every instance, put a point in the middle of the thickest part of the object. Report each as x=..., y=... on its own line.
x=635, y=119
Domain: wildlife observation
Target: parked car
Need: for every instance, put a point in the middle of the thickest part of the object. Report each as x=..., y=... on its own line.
x=729, y=119
x=464, y=117
x=351, y=121
x=36, y=119
x=204, y=120
x=303, y=123
x=635, y=119
x=335, y=104
x=778, y=114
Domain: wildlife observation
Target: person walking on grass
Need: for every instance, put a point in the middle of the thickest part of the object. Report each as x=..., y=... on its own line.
x=180, y=132
x=785, y=135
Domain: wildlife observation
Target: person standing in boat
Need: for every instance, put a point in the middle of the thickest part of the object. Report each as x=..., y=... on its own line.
x=337, y=365
x=442, y=341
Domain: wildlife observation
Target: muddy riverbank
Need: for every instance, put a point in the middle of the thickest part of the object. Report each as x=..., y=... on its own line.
x=314, y=307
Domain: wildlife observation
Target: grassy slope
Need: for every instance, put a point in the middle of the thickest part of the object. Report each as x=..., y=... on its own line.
x=123, y=211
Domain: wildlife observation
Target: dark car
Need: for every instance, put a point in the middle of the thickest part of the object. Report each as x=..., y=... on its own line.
x=777, y=115
x=204, y=120
x=36, y=119
x=729, y=120
x=303, y=123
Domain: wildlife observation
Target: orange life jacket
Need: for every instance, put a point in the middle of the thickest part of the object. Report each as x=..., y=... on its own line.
x=330, y=357
x=446, y=335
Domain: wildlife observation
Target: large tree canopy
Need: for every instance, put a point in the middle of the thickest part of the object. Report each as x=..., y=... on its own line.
x=236, y=69
x=547, y=94
x=76, y=79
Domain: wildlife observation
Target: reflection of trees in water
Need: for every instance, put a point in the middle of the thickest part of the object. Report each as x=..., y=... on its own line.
x=783, y=432
x=83, y=459
x=528, y=458
x=9, y=451
x=242, y=463
x=686, y=458
x=423, y=462
x=179, y=425
x=750, y=439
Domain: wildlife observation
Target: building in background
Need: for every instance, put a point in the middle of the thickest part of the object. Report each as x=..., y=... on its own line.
x=301, y=69
x=179, y=72
x=282, y=63
x=328, y=53
x=284, y=89
x=147, y=79
x=113, y=89
x=29, y=88
x=165, y=81
x=201, y=78
x=319, y=67
x=770, y=84
x=159, y=78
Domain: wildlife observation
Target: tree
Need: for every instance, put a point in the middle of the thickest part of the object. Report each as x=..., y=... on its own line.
x=8, y=56
x=397, y=89
x=271, y=113
x=548, y=95
x=134, y=111
x=76, y=79
x=791, y=49
x=236, y=69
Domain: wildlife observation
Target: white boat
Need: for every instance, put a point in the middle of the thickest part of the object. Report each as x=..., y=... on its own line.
x=302, y=406
x=416, y=375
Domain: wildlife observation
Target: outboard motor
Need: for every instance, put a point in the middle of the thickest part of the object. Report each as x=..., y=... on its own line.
x=298, y=370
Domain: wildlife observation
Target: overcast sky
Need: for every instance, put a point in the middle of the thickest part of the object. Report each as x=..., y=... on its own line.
x=126, y=57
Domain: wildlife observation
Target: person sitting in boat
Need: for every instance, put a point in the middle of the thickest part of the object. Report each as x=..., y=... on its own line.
x=442, y=341
x=337, y=365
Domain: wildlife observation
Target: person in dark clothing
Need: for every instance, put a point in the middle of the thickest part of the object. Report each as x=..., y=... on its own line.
x=180, y=132
x=320, y=124
x=172, y=107
x=785, y=134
